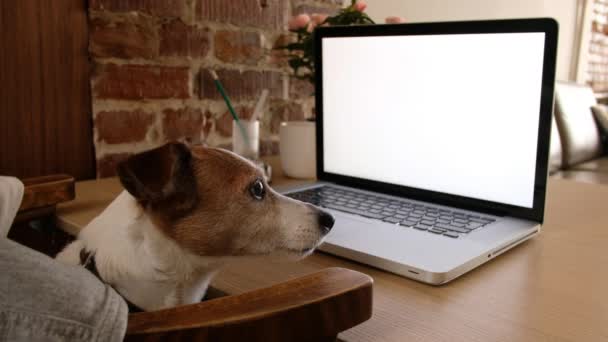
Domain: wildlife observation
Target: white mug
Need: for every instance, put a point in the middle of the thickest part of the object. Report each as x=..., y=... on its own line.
x=298, y=149
x=249, y=148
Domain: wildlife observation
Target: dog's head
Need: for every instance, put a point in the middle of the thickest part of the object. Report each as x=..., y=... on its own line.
x=212, y=202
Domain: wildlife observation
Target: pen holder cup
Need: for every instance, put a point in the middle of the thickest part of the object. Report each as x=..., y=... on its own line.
x=248, y=146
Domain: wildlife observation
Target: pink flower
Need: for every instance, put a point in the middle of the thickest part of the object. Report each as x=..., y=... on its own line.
x=360, y=6
x=394, y=20
x=318, y=19
x=298, y=22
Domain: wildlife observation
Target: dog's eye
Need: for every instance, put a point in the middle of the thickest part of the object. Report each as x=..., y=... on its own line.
x=257, y=189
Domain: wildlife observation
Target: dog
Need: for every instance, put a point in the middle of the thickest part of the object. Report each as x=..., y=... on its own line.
x=184, y=213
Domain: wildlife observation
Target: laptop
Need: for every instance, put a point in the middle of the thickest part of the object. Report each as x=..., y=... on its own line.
x=432, y=141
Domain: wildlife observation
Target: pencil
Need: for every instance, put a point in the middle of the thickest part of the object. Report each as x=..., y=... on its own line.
x=220, y=88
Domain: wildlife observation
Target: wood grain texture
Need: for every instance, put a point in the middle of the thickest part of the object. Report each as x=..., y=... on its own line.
x=45, y=106
x=309, y=308
x=551, y=288
x=47, y=191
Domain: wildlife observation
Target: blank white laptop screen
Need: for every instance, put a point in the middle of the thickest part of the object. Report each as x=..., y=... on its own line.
x=456, y=114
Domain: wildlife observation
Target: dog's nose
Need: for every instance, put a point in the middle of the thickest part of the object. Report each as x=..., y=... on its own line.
x=326, y=221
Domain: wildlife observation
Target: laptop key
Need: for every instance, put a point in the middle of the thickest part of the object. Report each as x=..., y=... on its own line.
x=408, y=223
x=473, y=225
x=452, y=228
x=459, y=230
x=461, y=220
x=391, y=220
x=436, y=231
x=355, y=211
x=430, y=223
x=451, y=234
x=456, y=224
x=421, y=227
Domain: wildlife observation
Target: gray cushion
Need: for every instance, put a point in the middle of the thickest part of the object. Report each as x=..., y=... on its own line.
x=580, y=137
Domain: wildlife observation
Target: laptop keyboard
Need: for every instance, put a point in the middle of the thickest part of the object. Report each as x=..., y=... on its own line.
x=428, y=218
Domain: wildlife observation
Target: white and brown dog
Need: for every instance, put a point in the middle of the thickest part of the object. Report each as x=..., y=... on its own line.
x=185, y=212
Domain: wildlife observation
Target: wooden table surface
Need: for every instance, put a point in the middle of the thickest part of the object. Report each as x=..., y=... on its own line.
x=551, y=288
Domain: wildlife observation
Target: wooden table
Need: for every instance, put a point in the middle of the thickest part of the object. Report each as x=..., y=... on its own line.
x=553, y=287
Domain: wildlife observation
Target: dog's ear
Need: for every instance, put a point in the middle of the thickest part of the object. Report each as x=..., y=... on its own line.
x=161, y=178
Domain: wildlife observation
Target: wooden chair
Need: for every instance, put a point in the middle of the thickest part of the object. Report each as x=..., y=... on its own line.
x=315, y=307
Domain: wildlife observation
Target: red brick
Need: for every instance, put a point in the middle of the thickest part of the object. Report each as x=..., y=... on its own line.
x=239, y=86
x=279, y=57
x=130, y=36
x=337, y=3
x=264, y=14
x=183, y=123
x=284, y=111
x=135, y=82
x=118, y=127
x=300, y=89
x=242, y=47
x=269, y=147
x=308, y=9
x=106, y=166
x=223, y=124
x=179, y=39
x=160, y=8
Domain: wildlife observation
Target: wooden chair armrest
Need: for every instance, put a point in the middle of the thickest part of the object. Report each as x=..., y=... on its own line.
x=47, y=191
x=315, y=307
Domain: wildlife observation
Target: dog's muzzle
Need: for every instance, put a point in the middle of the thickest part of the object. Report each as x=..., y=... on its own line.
x=326, y=221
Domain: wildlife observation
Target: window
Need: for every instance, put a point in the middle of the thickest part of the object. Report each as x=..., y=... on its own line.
x=597, y=58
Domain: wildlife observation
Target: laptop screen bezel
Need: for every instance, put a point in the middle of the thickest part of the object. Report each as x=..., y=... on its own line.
x=544, y=25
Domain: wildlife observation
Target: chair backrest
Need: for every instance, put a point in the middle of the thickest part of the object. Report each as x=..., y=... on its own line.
x=579, y=134
x=555, y=151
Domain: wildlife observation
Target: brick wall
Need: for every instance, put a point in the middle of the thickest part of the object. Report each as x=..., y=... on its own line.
x=150, y=82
